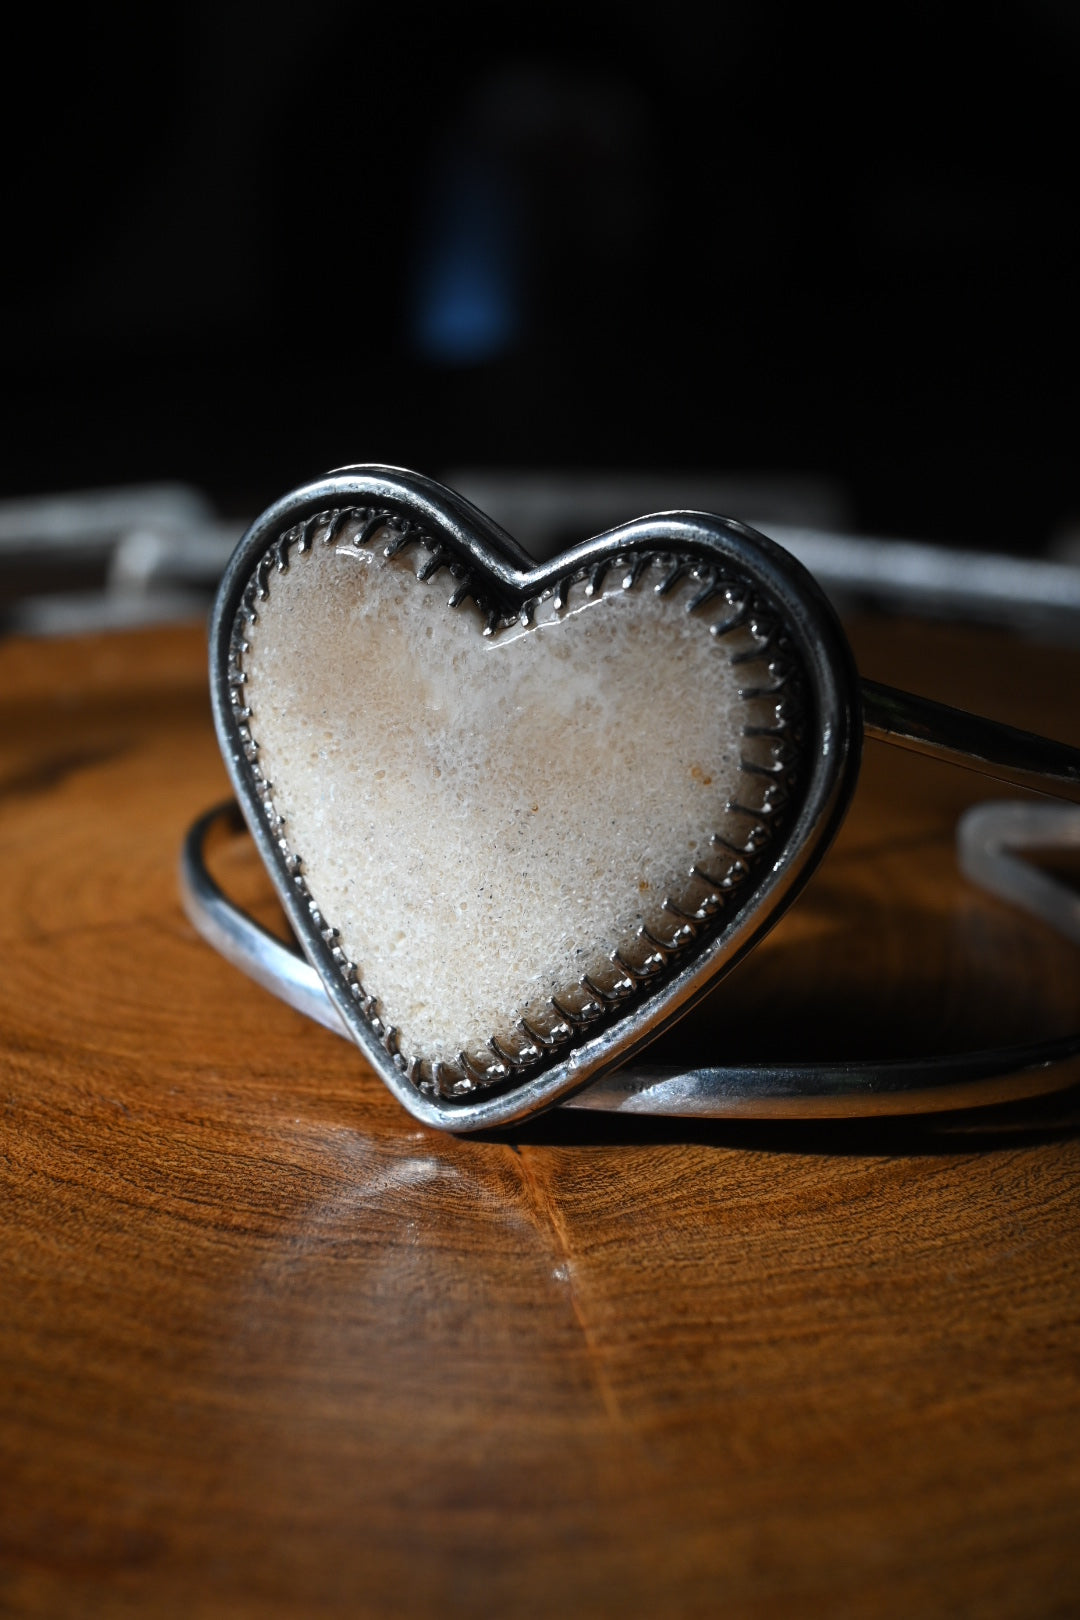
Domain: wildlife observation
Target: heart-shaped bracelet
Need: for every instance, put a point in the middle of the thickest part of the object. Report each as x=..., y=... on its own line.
x=521, y=817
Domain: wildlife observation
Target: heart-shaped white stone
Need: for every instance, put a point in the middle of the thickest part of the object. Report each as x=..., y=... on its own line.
x=484, y=813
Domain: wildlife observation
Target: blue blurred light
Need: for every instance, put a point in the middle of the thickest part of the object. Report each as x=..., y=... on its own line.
x=467, y=304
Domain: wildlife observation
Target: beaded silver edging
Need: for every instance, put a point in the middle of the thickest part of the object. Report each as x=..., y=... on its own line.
x=753, y=635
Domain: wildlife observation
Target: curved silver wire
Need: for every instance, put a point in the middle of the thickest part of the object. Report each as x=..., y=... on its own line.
x=986, y=838
x=239, y=938
x=788, y=1090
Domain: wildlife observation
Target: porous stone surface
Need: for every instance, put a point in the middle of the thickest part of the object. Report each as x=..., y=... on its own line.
x=484, y=818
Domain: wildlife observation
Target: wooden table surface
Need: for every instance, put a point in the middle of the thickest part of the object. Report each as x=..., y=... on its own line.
x=269, y=1348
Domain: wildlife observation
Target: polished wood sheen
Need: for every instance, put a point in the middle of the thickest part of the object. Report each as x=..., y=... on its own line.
x=268, y=1348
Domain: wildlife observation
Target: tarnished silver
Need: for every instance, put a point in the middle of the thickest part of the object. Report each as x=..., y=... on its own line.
x=589, y=1061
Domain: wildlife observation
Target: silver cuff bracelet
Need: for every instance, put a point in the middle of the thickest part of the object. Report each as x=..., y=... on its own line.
x=522, y=817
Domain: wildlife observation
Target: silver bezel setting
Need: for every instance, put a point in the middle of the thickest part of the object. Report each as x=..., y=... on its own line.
x=485, y=564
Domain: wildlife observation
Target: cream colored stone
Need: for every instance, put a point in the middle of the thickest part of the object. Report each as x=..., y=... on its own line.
x=482, y=819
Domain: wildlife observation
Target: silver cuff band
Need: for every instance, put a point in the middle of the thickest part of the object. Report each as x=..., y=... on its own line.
x=791, y=1091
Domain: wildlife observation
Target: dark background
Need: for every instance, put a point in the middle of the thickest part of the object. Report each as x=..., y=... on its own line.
x=243, y=245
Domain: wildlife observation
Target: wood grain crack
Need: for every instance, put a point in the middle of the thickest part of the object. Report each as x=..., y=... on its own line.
x=550, y=1214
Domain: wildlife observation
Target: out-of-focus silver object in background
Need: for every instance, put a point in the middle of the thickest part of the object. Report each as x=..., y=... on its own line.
x=110, y=558
x=152, y=553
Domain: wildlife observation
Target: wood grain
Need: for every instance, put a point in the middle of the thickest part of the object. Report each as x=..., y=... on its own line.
x=268, y=1348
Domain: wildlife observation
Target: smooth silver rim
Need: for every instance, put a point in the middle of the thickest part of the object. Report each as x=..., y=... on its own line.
x=831, y=764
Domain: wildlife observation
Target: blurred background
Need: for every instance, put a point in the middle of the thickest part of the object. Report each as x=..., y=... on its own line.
x=583, y=260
